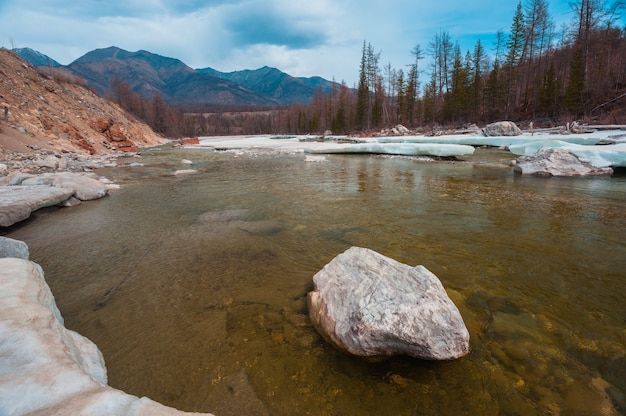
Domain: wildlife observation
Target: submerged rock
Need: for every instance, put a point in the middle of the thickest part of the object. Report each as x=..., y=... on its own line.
x=370, y=305
x=555, y=161
x=46, y=369
x=226, y=215
x=235, y=395
x=185, y=172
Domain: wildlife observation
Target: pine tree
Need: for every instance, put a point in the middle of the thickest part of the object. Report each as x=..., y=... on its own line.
x=377, y=105
x=494, y=92
x=410, y=96
x=429, y=111
x=548, y=93
x=401, y=91
x=478, y=61
x=575, y=90
x=516, y=46
x=363, y=93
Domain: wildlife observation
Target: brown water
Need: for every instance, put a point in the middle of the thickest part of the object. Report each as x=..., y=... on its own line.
x=194, y=286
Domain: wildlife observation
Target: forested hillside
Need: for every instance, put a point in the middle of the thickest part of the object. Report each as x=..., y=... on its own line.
x=535, y=72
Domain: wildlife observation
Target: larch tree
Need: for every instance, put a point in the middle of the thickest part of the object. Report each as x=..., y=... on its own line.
x=539, y=28
x=441, y=50
x=413, y=84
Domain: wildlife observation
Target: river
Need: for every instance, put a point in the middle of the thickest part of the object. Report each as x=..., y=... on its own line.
x=194, y=286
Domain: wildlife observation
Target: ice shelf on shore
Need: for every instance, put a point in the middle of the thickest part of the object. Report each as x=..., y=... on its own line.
x=599, y=156
x=405, y=149
x=47, y=369
x=600, y=148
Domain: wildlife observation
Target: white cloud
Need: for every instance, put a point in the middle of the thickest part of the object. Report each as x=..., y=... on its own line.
x=300, y=37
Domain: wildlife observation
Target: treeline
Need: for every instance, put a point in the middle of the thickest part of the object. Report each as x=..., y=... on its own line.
x=536, y=72
x=196, y=120
x=161, y=117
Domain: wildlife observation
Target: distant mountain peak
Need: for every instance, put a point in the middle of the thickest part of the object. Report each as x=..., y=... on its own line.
x=274, y=83
x=148, y=73
x=34, y=57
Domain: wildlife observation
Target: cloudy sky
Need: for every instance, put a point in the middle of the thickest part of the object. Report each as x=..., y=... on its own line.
x=300, y=37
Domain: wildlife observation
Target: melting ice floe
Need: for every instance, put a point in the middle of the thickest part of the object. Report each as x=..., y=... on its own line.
x=598, y=156
x=405, y=149
x=585, y=146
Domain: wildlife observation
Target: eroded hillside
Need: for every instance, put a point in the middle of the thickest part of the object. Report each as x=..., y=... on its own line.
x=50, y=113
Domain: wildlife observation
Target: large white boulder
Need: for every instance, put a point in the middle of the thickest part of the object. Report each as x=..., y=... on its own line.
x=18, y=202
x=85, y=188
x=370, y=305
x=501, y=128
x=557, y=161
x=586, y=149
x=22, y=194
x=46, y=369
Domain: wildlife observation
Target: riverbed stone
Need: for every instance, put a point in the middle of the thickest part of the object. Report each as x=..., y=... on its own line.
x=554, y=161
x=369, y=305
x=13, y=248
x=501, y=128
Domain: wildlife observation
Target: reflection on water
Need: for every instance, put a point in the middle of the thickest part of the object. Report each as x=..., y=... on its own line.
x=194, y=286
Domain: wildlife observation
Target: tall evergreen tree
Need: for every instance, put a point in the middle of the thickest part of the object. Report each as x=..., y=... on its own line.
x=575, y=91
x=363, y=92
x=548, y=93
x=479, y=58
x=410, y=96
x=516, y=45
x=401, y=91
x=429, y=108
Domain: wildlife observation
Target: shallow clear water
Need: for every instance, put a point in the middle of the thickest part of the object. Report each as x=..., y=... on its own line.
x=194, y=286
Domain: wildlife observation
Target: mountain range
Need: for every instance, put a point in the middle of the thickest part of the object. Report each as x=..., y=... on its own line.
x=149, y=74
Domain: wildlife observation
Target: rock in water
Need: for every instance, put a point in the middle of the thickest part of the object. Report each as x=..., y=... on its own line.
x=13, y=248
x=554, y=161
x=370, y=305
x=17, y=202
x=86, y=188
x=501, y=128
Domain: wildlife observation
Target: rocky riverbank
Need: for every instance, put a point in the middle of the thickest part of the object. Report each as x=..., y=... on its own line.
x=45, y=178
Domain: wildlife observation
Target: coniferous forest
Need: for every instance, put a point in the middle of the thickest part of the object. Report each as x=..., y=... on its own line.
x=535, y=72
